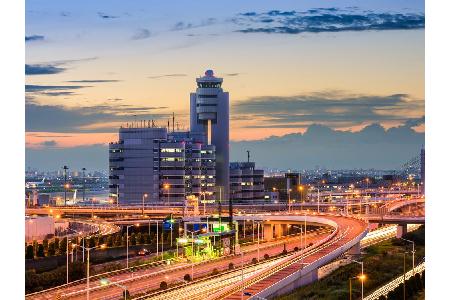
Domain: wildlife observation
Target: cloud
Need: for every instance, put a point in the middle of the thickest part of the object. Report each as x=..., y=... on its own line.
x=181, y=25
x=54, y=67
x=29, y=88
x=371, y=147
x=334, y=108
x=232, y=74
x=42, y=69
x=94, y=81
x=58, y=118
x=33, y=38
x=106, y=16
x=51, y=143
x=141, y=34
x=167, y=75
x=326, y=20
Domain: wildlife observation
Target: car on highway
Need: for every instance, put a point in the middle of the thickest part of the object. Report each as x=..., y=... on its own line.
x=143, y=252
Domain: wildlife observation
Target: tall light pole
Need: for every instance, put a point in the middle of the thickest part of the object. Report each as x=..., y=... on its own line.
x=143, y=202
x=167, y=188
x=84, y=183
x=87, y=266
x=106, y=282
x=413, y=251
x=65, y=184
x=128, y=226
x=289, y=200
x=67, y=254
x=362, y=277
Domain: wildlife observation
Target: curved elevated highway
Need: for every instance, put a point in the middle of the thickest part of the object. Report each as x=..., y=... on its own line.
x=283, y=273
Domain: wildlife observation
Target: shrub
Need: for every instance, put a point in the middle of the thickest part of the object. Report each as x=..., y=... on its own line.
x=187, y=277
x=29, y=254
x=215, y=271
x=230, y=266
x=295, y=248
x=40, y=251
x=266, y=256
x=254, y=260
x=51, y=249
x=163, y=285
x=109, y=241
x=284, y=252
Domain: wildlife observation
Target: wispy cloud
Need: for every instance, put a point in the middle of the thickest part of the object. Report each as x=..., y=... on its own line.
x=106, y=16
x=58, y=118
x=141, y=34
x=94, y=80
x=30, y=88
x=181, y=25
x=43, y=69
x=167, y=75
x=33, y=38
x=337, y=109
x=326, y=20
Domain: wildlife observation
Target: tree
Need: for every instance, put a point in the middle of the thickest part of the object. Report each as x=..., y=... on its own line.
x=163, y=285
x=91, y=242
x=133, y=239
x=146, y=238
x=187, y=277
x=62, y=246
x=117, y=240
x=254, y=260
x=266, y=256
x=29, y=254
x=138, y=238
x=215, y=271
x=51, y=249
x=230, y=266
x=109, y=241
x=40, y=251
x=56, y=241
x=45, y=244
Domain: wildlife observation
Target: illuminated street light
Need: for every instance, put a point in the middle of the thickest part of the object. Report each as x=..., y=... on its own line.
x=102, y=246
x=166, y=186
x=106, y=282
x=143, y=202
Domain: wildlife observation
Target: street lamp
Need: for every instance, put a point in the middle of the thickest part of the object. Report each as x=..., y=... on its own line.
x=300, y=189
x=167, y=188
x=103, y=246
x=413, y=251
x=128, y=226
x=361, y=277
x=67, y=254
x=106, y=282
x=143, y=202
x=65, y=182
x=289, y=200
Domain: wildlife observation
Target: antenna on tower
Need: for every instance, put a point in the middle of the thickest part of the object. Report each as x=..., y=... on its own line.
x=173, y=122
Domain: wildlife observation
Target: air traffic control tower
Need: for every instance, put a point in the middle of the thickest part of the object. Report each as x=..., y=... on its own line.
x=210, y=115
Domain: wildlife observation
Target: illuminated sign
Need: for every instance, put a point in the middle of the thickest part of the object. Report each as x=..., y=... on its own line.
x=220, y=228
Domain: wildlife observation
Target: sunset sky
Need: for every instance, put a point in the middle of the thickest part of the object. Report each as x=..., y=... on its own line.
x=92, y=65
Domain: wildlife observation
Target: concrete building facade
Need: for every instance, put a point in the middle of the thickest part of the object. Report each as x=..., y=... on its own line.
x=149, y=164
x=246, y=182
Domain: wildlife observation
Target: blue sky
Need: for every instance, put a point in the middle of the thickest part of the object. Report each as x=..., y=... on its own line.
x=288, y=65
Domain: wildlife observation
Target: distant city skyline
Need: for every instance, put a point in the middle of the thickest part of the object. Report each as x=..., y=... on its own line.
x=307, y=80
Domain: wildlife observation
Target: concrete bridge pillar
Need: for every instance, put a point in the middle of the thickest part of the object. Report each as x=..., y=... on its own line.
x=401, y=230
x=278, y=231
x=268, y=232
x=355, y=250
x=284, y=229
